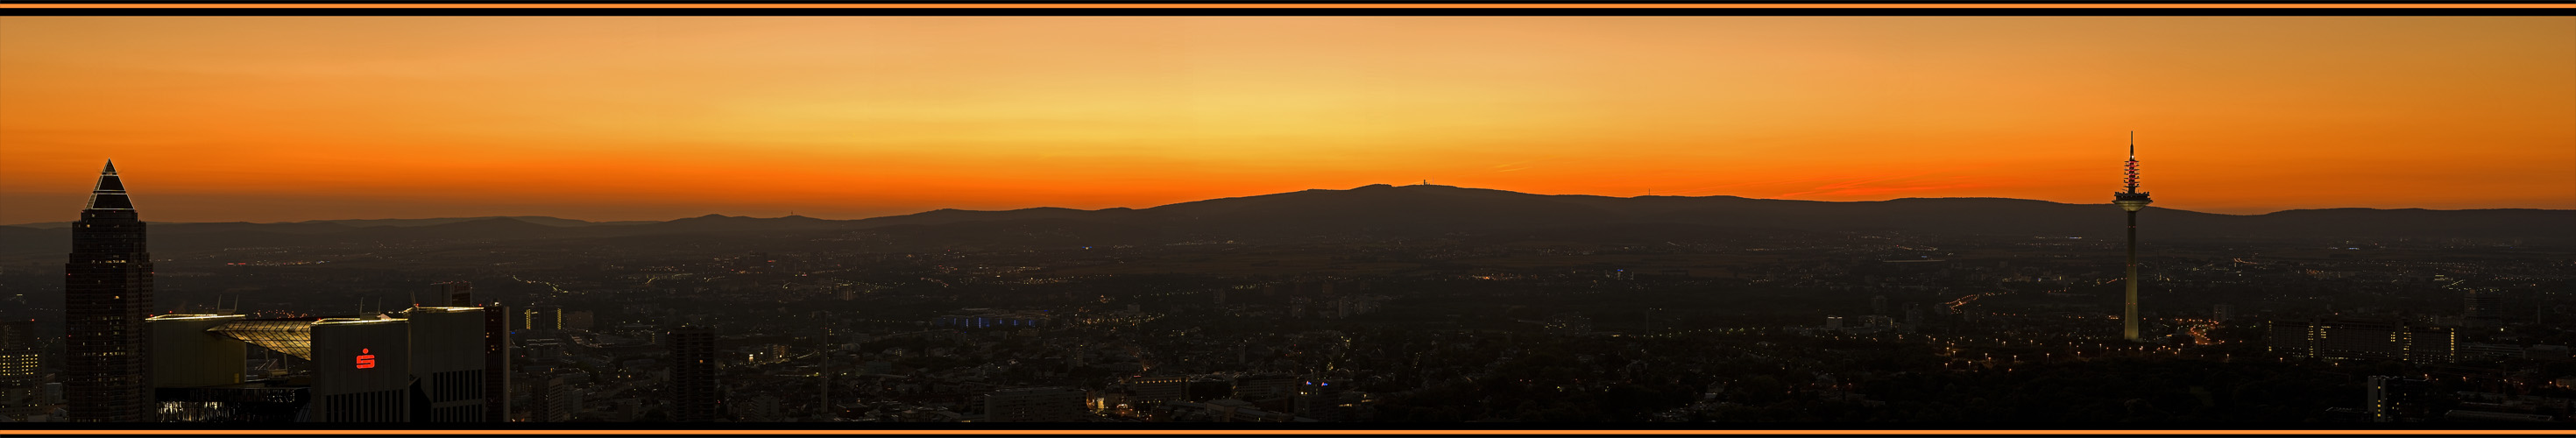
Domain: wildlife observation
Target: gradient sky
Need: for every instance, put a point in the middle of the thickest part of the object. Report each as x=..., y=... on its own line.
x=624, y=118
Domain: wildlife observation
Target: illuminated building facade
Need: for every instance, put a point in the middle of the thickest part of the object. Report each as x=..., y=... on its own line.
x=542, y=318
x=2364, y=339
x=2398, y=399
x=107, y=288
x=20, y=397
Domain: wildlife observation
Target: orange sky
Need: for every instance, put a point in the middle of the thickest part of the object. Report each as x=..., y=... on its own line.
x=622, y=118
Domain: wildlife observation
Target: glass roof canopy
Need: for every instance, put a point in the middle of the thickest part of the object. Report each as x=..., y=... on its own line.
x=293, y=337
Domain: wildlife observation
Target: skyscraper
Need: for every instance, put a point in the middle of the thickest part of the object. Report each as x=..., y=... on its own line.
x=693, y=374
x=2131, y=200
x=107, y=288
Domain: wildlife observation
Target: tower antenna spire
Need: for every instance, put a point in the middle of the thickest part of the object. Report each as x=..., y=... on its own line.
x=2131, y=200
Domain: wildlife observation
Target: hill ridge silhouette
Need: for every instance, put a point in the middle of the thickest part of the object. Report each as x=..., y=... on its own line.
x=1382, y=210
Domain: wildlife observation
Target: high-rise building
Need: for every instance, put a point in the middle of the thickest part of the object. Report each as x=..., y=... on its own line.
x=496, y=363
x=453, y=380
x=552, y=400
x=1833, y=323
x=2398, y=399
x=2131, y=200
x=1024, y=405
x=1878, y=305
x=2363, y=339
x=2221, y=312
x=21, y=399
x=456, y=293
x=107, y=294
x=693, y=374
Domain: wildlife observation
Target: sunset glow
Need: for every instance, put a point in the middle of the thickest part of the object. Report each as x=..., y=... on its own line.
x=628, y=118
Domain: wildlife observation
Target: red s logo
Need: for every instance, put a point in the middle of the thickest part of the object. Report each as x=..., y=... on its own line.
x=366, y=360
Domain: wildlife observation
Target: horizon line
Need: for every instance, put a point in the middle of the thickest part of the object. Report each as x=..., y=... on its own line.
x=792, y=214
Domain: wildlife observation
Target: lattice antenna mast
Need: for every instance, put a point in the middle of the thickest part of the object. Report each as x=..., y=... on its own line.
x=2132, y=180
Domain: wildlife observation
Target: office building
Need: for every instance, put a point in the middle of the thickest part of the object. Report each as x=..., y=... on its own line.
x=420, y=365
x=21, y=397
x=693, y=374
x=2363, y=339
x=2222, y=312
x=496, y=347
x=1025, y=405
x=107, y=293
x=1878, y=305
x=454, y=379
x=2398, y=399
x=551, y=400
x=1158, y=389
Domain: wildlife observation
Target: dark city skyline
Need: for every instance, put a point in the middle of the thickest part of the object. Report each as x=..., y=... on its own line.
x=1382, y=225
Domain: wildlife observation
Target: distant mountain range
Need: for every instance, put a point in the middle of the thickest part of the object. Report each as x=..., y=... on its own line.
x=1400, y=211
